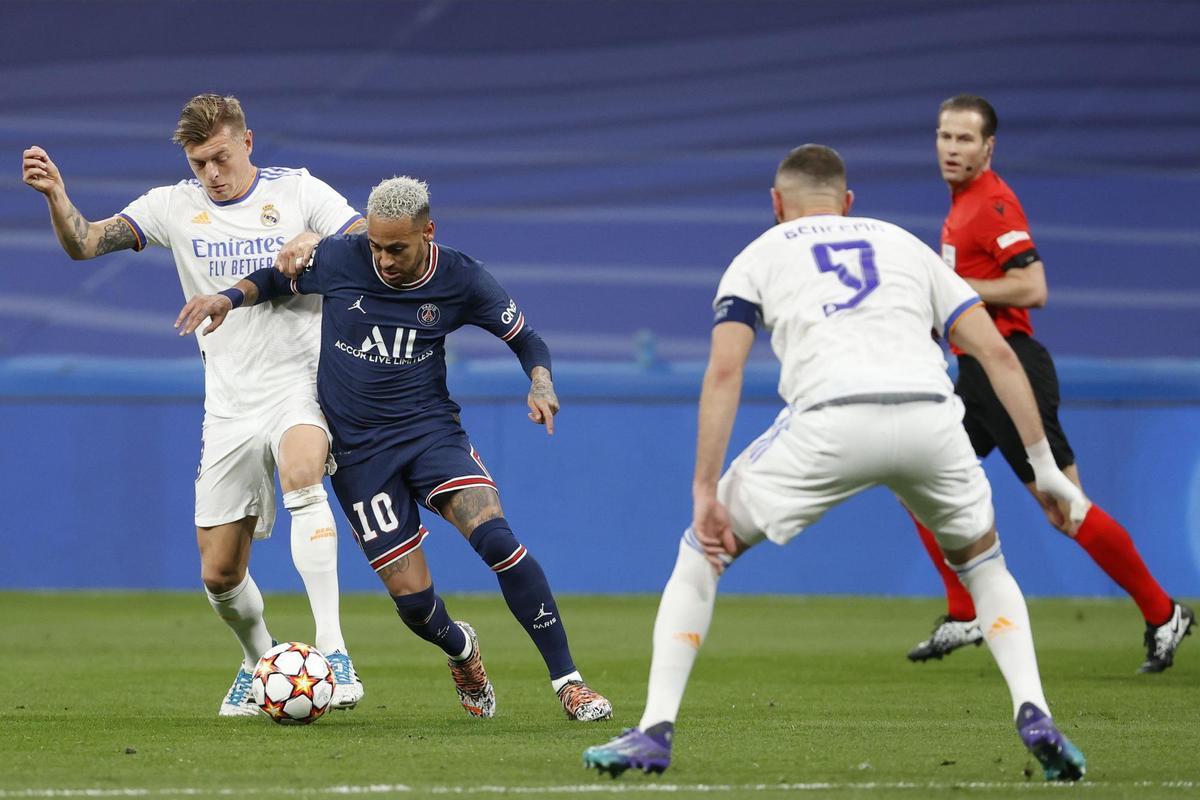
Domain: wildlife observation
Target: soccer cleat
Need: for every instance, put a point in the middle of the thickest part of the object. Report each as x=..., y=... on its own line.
x=347, y=688
x=583, y=703
x=1162, y=640
x=475, y=691
x=948, y=635
x=1060, y=759
x=239, y=702
x=633, y=749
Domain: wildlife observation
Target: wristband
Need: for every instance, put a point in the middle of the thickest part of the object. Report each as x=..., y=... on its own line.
x=236, y=296
x=1040, y=457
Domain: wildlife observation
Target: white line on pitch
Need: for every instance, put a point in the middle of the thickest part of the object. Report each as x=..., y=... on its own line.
x=585, y=788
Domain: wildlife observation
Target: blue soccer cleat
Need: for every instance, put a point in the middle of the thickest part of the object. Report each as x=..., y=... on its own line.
x=649, y=752
x=239, y=701
x=347, y=687
x=1060, y=759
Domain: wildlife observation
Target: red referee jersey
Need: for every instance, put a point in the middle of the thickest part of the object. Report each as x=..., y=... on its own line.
x=984, y=235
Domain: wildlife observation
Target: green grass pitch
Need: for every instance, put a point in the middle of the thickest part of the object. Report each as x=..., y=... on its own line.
x=115, y=695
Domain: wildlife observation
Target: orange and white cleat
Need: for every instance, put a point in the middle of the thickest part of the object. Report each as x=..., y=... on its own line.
x=583, y=703
x=475, y=691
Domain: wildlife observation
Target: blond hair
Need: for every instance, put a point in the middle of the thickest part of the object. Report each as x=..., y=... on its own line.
x=401, y=197
x=205, y=115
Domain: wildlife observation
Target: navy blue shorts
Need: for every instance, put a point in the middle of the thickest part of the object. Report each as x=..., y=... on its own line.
x=380, y=495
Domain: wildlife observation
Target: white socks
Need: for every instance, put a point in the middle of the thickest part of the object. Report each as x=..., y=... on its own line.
x=683, y=618
x=242, y=609
x=314, y=552
x=1004, y=620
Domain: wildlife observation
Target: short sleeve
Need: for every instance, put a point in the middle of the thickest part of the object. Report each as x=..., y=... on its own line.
x=492, y=308
x=1001, y=230
x=147, y=216
x=325, y=211
x=950, y=295
x=738, y=297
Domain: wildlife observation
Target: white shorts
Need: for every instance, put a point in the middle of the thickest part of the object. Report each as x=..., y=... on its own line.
x=236, y=478
x=808, y=462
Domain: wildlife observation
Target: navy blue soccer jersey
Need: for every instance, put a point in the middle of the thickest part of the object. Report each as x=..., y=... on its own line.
x=382, y=375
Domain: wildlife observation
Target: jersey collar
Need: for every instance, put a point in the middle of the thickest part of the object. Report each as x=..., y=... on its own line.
x=249, y=190
x=430, y=268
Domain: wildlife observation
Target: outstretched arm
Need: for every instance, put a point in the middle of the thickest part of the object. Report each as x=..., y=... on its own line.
x=261, y=285
x=719, y=399
x=79, y=237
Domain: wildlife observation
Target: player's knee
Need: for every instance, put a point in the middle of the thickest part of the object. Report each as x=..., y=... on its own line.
x=467, y=509
x=220, y=578
x=496, y=545
x=416, y=609
x=300, y=473
x=307, y=495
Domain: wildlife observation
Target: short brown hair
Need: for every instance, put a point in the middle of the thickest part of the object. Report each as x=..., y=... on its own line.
x=818, y=164
x=973, y=102
x=205, y=115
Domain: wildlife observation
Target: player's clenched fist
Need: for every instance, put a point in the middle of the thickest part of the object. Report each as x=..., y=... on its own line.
x=295, y=256
x=39, y=171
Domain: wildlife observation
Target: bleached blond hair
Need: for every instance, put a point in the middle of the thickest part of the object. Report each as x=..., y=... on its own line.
x=400, y=197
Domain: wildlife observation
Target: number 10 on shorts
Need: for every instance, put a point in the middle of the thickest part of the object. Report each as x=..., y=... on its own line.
x=385, y=517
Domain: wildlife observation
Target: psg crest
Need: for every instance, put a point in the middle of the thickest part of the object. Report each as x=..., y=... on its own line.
x=428, y=315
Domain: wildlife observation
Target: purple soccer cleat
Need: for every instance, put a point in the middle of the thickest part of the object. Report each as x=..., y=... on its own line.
x=1060, y=759
x=649, y=751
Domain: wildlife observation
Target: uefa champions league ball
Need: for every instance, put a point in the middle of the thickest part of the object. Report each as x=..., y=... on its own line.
x=293, y=684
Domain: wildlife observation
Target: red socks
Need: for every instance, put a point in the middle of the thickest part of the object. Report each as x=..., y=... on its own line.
x=1111, y=548
x=1103, y=538
x=959, y=605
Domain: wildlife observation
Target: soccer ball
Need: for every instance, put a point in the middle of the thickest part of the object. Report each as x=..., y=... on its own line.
x=293, y=684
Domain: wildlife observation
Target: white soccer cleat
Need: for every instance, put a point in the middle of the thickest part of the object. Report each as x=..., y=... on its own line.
x=1162, y=640
x=347, y=688
x=239, y=702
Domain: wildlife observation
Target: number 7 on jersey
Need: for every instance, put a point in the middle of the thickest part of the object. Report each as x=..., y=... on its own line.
x=837, y=258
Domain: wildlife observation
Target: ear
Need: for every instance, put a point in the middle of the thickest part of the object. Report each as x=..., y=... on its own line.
x=777, y=204
x=848, y=202
x=248, y=140
x=427, y=234
x=990, y=146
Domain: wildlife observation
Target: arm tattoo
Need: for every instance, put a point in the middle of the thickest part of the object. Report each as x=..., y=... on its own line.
x=79, y=226
x=541, y=386
x=117, y=236
x=470, y=508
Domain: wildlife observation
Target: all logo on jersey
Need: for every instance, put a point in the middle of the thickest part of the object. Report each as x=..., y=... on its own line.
x=269, y=215
x=201, y=219
x=428, y=315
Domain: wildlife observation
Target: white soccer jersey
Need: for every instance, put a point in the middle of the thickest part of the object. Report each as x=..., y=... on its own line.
x=850, y=303
x=263, y=352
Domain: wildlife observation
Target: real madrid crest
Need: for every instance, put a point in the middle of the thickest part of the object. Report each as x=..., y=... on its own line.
x=269, y=215
x=428, y=315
